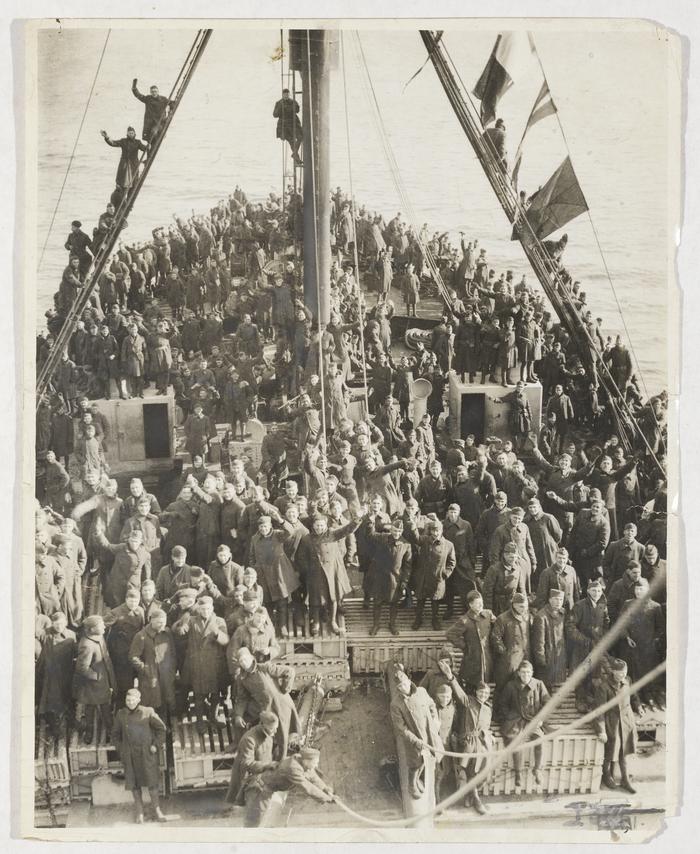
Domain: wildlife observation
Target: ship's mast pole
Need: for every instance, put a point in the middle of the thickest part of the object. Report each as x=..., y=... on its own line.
x=317, y=55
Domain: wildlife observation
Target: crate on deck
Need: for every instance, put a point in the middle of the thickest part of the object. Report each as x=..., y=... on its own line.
x=86, y=761
x=417, y=650
x=202, y=760
x=326, y=644
x=51, y=770
x=334, y=670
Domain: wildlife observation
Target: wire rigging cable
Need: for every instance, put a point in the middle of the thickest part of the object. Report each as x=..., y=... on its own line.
x=354, y=228
x=538, y=258
x=75, y=147
x=371, y=95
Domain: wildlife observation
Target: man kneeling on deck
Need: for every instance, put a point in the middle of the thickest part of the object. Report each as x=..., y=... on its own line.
x=297, y=771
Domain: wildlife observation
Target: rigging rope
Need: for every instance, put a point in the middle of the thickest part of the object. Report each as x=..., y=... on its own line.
x=598, y=244
x=72, y=155
x=309, y=94
x=562, y=289
x=360, y=307
x=396, y=173
x=284, y=172
x=580, y=673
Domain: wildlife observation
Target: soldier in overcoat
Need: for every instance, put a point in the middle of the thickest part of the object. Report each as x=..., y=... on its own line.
x=94, y=681
x=549, y=641
x=122, y=624
x=205, y=659
x=55, y=672
x=388, y=571
x=253, y=756
x=503, y=579
x=587, y=623
x=616, y=727
x=415, y=720
x=523, y=700
x=275, y=571
x=133, y=360
x=434, y=562
x=139, y=737
x=152, y=655
x=472, y=634
x=510, y=641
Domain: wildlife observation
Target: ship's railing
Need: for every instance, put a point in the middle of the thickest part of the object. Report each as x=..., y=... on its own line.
x=126, y=204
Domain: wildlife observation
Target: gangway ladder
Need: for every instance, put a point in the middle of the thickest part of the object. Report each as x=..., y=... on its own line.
x=542, y=263
x=106, y=247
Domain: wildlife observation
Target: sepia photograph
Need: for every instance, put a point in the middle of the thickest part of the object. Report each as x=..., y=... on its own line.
x=350, y=436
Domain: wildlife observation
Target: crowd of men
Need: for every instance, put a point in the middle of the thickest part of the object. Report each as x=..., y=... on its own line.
x=545, y=540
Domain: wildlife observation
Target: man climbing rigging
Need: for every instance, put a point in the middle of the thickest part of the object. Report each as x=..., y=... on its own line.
x=288, y=124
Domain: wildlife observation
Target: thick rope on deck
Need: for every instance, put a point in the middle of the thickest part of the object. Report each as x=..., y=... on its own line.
x=521, y=740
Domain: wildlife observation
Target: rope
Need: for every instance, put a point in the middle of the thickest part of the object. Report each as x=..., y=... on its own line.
x=595, y=234
x=589, y=717
x=553, y=703
x=563, y=291
x=396, y=174
x=284, y=175
x=354, y=226
x=72, y=155
x=318, y=273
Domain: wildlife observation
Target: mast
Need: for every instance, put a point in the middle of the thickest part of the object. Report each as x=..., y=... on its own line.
x=127, y=203
x=314, y=54
x=542, y=264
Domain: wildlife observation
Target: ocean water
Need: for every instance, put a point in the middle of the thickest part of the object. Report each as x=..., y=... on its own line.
x=610, y=89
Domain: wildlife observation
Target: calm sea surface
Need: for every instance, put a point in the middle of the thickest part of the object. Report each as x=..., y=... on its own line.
x=609, y=88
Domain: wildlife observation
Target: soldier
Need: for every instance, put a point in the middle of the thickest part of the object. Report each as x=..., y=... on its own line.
x=48, y=579
x=153, y=658
x=510, y=640
x=523, y=700
x=471, y=733
x=139, y=737
x=587, y=622
x=620, y=552
x=55, y=673
x=94, y=681
x=503, y=579
x=415, y=720
x=434, y=563
x=225, y=572
x=616, y=728
x=123, y=623
x=132, y=564
x=299, y=771
x=388, y=571
x=277, y=576
x=545, y=533
x=589, y=539
x=549, y=642
x=491, y=519
x=514, y=531
x=643, y=645
x=253, y=756
x=459, y=532
x=258, y=688
x=622, y=590
x=157, y=107
x=205, y=659
x=472, y=634
x=560, y=575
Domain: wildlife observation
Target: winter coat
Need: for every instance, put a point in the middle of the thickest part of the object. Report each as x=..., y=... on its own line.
x=205, y=660
x=324, y=570
x=134, y=732
x=388, y=566
x=521, y=703
x=415, y=720
x=128, y=168
x=48, y=581
x=618, y=723
x=510, y=641
x=500, y=583
x=55, y=668
x=434, y=562
x=93, y=679
x=647, y=629
x=586, y=625
x=153, y=658
x=549, y=647
x=520, y=537
x=122, y=626
x=472, y=634
x=545, y=535
x=275, y=571
x=253, y=756
x=133, y=356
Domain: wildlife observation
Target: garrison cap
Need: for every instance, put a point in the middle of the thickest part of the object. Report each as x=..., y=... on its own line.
x=206, y=599
x=179, y=551
x=77, y=223
x=92, y=622
x=186, y=591
x=555, y=591
x=157, y=612
x=310, y=753
x=617, y=664
x=519, y=599
x=268, y=717
x=454, y=507
x=510, y=548
x=593, y=582
x=472, y=595
x=249, y=595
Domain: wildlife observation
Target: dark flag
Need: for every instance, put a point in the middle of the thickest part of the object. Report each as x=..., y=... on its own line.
x=510, y=56
x=558, y=202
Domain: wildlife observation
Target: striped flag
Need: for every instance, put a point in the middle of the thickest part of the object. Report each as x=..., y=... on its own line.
x=509, y=58
x=544, y=106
